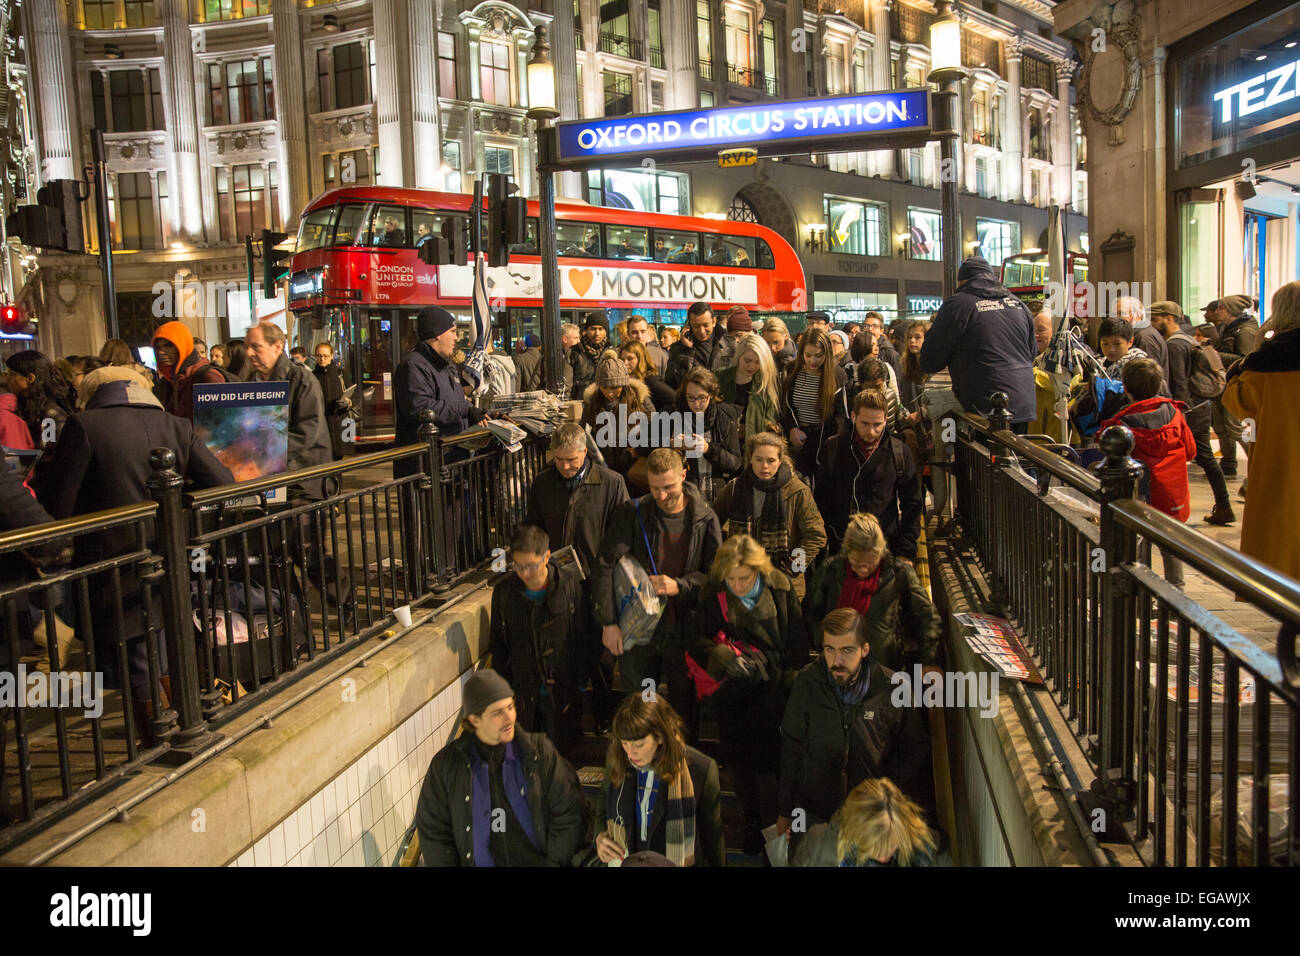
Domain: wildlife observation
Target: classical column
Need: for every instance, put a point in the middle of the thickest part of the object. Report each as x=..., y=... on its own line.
x=183, y=129
x=390, y=26
x=1013, y=120
x=290, y=109
x=426, y=121
x=564, y=54
x=1062, y=136
x=794, y=87
x=51, y=56
x=680, y=55
x=881, y=162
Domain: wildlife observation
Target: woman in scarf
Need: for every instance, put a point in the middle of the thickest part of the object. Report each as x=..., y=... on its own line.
x=771, y=503
x=884, y=589
x=748, y=634
x=659, y=794
x=751, y=384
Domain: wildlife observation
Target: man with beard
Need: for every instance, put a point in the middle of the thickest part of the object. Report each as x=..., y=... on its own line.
x=584, y=356
x=841, y=727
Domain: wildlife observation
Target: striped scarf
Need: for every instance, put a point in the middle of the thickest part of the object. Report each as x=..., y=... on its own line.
x=679, y=817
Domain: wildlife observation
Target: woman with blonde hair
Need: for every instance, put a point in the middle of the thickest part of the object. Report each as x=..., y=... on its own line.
x=640, y=366
x=659, y=794
x=773, y=504
x=814, y=402
x=902, y=624
x=779, y=342
x=1264, y=387
x=750, y=383
x=748, y=632
x=877, y=826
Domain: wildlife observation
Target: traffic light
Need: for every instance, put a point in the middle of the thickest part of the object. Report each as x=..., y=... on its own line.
x=449, y=249
x=55, y=223
x=13, y=322
x=272, y=271
x=507, y=219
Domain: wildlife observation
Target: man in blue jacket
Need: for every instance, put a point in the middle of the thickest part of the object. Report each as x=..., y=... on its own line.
x=984, y=336
x=427, y=379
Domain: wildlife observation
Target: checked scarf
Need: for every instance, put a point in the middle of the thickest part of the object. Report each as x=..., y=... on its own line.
x=771, y=528
x=679, y=816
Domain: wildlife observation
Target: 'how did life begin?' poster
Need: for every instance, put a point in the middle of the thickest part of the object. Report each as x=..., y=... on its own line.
x=246, y=425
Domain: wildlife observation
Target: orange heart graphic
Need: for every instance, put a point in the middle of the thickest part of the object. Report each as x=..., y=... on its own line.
x=581, y=280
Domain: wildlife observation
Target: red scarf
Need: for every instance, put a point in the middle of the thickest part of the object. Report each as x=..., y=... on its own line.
x=857, y=592
x=865, y=450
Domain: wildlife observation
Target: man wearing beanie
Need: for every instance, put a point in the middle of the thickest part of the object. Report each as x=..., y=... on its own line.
x=1238, y=329
x=180, y=368
x=498, y=795
x=984, y=336
x=427, y=379
x=738, y=322
x=584, y=356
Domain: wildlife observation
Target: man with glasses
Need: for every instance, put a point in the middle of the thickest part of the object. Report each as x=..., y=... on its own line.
x=540, y=639
x=874, y=323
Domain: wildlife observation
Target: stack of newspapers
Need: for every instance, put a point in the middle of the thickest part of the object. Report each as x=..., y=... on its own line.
x=534, y=412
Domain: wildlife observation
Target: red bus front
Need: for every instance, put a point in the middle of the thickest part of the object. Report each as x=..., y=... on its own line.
x=357, y=280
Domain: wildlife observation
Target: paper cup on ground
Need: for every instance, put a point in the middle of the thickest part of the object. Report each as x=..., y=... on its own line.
x=403, y=615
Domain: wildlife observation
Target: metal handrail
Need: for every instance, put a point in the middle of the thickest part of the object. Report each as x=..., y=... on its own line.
x=208, y=496
x=71, y=527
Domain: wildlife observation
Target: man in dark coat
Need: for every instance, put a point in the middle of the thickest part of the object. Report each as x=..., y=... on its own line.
x=584, y=356
x=866, y=469
x=101, y=461
x=427, y=379
x=496, y=773
x=841, y=727
x=1238, y=329
x=329, y=376
x=709, y=345
x=540, y=639
x=573, y=499
x=673, y=534
x=984, y=336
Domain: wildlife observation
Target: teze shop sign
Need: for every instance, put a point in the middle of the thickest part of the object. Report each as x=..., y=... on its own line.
x=859, y=121
x=1259, y=93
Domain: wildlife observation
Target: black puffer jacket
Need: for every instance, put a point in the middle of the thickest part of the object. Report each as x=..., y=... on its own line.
x=828, y=749
x=444, y=814
x=580, y=518
x=715, y=355
x=984, y=336
x=900, y=612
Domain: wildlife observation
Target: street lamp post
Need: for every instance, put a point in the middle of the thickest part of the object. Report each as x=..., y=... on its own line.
x=946, y=70
x=541, y=99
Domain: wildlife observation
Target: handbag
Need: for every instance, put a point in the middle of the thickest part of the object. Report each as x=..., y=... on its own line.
x=748, y=672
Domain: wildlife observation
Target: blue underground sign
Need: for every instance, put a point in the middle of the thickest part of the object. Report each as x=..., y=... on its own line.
x=874, y=120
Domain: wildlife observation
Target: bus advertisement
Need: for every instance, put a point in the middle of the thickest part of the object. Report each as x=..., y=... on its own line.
x=357, y=281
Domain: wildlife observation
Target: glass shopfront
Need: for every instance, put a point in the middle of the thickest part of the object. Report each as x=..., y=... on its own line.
x=1234, y=162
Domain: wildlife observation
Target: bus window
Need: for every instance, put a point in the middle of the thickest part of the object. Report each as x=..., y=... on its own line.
x=627, y=242
x=388, y=228
x=529, y=246
x=577, y=239
x=765, y=259
x=1080, y=270
x=347, y=232
x=716, y=252
x=680, y=247
x=315, y=229
x=741, y=251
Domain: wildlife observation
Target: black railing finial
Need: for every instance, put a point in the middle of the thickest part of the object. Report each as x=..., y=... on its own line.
x=1000, y=417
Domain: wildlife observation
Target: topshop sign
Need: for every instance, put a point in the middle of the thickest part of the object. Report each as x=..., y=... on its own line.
x=859, y=121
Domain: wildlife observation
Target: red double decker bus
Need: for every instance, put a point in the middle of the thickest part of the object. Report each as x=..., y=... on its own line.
x=357, y=281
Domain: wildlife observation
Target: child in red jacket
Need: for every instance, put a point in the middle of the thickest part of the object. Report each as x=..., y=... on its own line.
x=1164, y=443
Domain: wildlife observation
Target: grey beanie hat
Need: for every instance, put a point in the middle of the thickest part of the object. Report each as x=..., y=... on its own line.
x=484, y=688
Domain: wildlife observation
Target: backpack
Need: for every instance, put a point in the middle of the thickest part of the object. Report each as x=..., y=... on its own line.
x=1102, y=397
x=1206, y=377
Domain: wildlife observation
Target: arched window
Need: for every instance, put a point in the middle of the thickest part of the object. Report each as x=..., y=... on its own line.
x=742, y=210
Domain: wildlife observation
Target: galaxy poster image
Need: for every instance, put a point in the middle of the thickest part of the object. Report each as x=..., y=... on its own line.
x=246, y=425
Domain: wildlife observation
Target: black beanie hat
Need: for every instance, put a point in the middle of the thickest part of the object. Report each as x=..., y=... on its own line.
x=432, y=321
x=484, y=688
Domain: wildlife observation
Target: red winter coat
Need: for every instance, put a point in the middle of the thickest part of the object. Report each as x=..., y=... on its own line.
x=14, y=432
x=1163, y=443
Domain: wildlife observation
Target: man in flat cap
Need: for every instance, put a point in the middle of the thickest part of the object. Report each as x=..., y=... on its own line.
x=498, y=795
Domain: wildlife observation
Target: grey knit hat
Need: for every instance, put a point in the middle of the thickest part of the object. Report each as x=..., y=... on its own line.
x=484, y=688
x=612, y=373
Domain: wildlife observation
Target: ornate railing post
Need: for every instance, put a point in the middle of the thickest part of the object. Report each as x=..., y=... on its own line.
x=1119, y=475
x=177, y=618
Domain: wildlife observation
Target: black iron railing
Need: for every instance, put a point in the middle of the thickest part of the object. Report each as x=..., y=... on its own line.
x=657, y=57
x=1162, y=693
x=231, y=597
x=743, y=77
x=706, y=69
x=620, y=45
